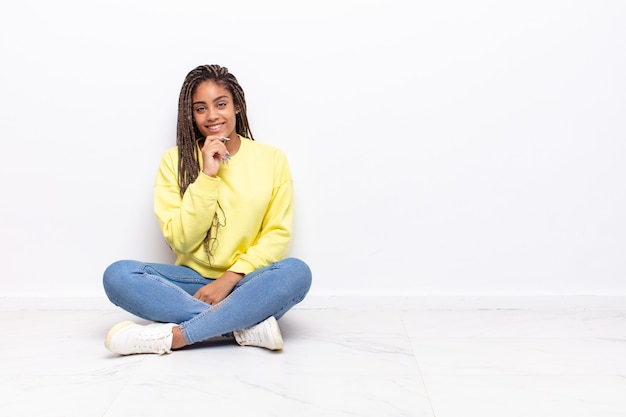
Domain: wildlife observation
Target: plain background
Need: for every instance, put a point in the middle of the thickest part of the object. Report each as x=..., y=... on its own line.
x=438, y=148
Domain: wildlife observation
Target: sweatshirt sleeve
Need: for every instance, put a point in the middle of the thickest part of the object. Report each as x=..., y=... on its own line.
x=273, y=240
x=184, y=221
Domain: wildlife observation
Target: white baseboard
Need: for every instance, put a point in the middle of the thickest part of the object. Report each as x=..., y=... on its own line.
x=361, y=302
x=465, y=302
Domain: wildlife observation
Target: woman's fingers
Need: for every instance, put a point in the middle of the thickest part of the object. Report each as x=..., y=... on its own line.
x=214, y=152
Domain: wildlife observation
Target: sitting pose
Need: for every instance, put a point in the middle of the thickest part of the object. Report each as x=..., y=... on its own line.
x=224, y=203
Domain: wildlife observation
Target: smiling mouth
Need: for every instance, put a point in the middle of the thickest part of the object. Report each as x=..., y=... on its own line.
x=215, y=128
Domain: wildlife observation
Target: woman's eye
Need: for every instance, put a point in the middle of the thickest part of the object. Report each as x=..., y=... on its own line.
x=199, y=109
x=221, y=105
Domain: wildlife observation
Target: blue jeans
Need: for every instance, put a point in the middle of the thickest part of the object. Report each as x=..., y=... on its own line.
x=164, y=293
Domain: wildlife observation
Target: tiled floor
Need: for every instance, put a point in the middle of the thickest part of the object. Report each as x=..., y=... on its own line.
x=443, y=363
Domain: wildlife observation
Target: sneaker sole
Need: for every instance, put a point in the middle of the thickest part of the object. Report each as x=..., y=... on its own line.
x=114, y=330
x=276, y=335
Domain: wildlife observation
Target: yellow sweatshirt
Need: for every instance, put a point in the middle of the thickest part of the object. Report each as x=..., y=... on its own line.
x=255, y=193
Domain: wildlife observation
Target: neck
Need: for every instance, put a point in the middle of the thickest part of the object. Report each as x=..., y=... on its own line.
x=233, y=144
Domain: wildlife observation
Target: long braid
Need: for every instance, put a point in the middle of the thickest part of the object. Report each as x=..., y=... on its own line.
x=187, y=132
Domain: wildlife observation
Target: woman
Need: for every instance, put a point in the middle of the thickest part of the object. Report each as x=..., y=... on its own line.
x=224, y=203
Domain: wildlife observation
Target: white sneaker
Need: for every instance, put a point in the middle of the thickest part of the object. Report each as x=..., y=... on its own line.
x=265, y=334
x=128, y=338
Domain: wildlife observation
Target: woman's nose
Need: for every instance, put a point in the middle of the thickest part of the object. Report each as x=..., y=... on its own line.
x=211, y=114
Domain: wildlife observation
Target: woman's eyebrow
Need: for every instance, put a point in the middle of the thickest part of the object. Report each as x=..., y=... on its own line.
x=214, y=100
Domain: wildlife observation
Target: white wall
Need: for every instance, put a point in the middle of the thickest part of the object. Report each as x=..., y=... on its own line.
x=451, y=148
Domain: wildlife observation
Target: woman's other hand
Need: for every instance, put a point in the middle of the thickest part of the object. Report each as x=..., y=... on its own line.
x=219, y=289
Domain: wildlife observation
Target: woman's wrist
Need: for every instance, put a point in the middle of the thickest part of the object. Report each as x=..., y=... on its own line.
x=233, y=276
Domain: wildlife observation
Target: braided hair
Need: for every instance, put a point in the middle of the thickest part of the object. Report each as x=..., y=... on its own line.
x=187, y=132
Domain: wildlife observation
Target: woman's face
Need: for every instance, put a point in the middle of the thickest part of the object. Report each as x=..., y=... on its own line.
x=214, y=110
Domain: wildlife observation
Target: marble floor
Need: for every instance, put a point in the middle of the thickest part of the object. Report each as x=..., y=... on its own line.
x=443, y=363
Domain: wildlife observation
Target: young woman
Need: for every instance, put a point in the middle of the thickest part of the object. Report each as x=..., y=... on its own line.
x=224, y=203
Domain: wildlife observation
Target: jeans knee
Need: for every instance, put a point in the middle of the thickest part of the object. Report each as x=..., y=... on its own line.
x=301, y=272
x=115, y=274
